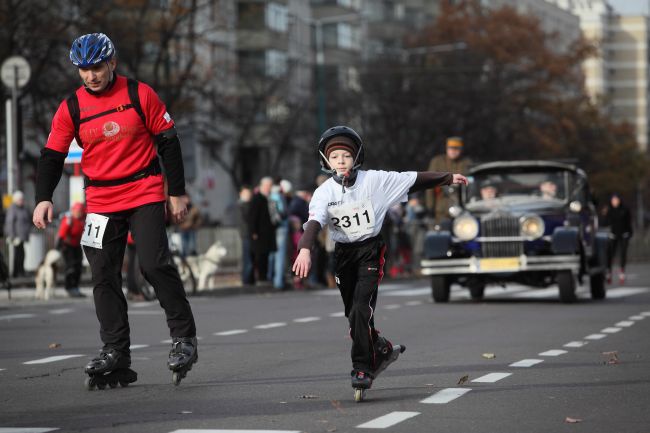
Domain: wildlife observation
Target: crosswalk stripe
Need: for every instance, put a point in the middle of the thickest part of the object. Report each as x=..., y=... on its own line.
x=595, y=337
x=610, y=330
x=526, y=363
x=491, y=377
x=576, y=344
x=554, y=352
x=51, y=359
x=446, y=395
x=388, y=420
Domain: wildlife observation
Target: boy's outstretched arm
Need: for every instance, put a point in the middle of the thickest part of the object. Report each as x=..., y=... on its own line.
x=431, y=179
x=303, y=262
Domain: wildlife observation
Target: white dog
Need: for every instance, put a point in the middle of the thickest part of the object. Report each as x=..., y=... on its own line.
x=46, y=274
x=209, y=264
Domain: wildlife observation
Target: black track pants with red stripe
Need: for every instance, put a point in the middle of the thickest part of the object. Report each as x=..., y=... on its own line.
x=359, y=269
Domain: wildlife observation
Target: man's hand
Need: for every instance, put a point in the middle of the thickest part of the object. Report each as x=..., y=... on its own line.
x=43, y=214
x=178, y=208
x=303, y=263
x=459, y=178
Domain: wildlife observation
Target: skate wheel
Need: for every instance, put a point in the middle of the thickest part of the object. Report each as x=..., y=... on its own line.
x=113, y=384
x=176, y=378
x=359, y=394
x=101, y=386
x=89, y=383
x=124, y=383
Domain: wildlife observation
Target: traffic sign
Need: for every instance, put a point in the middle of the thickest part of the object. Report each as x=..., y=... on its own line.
x=15, y=70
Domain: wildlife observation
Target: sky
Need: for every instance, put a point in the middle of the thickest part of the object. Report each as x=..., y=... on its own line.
x=630, y=7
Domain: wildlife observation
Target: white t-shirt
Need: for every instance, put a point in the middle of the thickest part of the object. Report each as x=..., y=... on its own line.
x=358, y=213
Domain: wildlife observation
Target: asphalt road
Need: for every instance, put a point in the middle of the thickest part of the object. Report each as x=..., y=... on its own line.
x=280, y=362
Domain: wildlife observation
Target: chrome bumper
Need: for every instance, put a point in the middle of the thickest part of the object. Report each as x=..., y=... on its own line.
x=500, y=265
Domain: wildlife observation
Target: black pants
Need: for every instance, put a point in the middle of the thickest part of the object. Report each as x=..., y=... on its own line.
x=19, y=260
x=147, y=224
x=72, y=256
x=619, y=245
x=359, y=269
x=261, y=260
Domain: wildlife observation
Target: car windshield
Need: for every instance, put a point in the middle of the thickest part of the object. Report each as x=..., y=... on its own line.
x=545, y=185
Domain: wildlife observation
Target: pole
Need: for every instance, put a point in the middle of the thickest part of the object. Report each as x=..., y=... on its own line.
x=14, y=145
x=10, y=142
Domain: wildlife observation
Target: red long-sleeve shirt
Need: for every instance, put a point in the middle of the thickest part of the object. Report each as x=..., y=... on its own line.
x=71, y=230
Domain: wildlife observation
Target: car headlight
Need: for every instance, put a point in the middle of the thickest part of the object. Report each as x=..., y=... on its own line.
x=575, y=206
x=465, y=227
x=455, y=211
x=532, y=226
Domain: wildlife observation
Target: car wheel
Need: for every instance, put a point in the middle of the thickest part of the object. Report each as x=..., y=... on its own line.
x=477, y=290
x=567, y=285
x=597, y=283
x=440, y=287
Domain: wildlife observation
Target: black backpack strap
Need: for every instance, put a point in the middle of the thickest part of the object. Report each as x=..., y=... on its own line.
x=75, y=115
x=132, y=87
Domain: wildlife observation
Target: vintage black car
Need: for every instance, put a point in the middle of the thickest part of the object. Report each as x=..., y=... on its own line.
x=530, y=222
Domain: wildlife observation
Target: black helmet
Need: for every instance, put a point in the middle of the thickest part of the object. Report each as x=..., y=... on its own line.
x=336, y=131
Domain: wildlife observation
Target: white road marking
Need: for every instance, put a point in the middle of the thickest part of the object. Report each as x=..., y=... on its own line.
x=168, y=341
x=491, y=377
x=17, y=316
x=610, y=330
x=576, y=343
x=595, y=337
x=231, y=431
x=388, y=420
x=339, y=314
x=625, y=323
x=26, y=429
x=271, y=325
x=537, y=293
x=554, y=352
x=645, y=314
x=526, y=363
x=407, y=292
x=446, y=395
x=391, y=307
x=307, y=319
x=62, y=311
x=639, y=317
x=413, y=303
x=142, y=304
x=628, y=291
x=138, y=346
x=2, y=369
x=231, y=332
x=51, y=359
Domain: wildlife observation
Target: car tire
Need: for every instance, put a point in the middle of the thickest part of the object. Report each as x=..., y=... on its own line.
x=597, y=286
x=567, y=286
x=476, y=290
x=440, y=288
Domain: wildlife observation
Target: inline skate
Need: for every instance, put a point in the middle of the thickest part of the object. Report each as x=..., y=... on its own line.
x=110, y=368
x=182, y=356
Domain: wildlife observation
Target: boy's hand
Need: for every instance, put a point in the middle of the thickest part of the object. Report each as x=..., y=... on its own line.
x=459, y=178
x=302, y=264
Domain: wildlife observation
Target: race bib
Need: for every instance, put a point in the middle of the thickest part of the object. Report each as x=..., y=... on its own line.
x=353, y=219
x=94, y=230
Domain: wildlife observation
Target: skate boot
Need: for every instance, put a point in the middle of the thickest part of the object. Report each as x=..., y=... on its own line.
x=181, y=357
x=361, y=381
x=385, y=354
x=110, y=368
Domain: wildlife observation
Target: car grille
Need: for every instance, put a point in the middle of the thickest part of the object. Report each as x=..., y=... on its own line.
x=500, y=225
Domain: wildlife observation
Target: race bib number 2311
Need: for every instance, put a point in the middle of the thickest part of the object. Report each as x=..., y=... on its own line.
x=94, y=230
x=353, y=219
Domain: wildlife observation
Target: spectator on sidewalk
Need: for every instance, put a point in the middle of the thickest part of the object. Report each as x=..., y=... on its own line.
x=18, y=223
x=244, y=205
x=619, y=219
x=262, y=229
x=69, y=243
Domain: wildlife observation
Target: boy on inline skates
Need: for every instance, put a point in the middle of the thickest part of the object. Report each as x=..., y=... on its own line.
x=353, y=203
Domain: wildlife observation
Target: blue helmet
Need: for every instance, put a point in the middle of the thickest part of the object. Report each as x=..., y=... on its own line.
x=91, y=49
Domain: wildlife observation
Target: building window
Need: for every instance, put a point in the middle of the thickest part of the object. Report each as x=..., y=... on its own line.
x=277, y=17
x=347, y=36
x=250, y=16
x=276, y=63
x=352, y=4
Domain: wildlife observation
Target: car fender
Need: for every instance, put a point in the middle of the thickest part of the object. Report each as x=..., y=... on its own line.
x=565, y=240
x=437, y=244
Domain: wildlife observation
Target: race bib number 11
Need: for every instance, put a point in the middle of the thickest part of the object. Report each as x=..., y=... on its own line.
x=94, y=230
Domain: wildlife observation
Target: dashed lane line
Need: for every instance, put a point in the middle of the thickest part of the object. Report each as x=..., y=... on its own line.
x=271, y=325
x=388, y=420
x=645, y=314
x=526, y=363
x=61, y=311
x=446, y=395
x=554, y=352
x=610, y=330
x=52, y=359
x=576, y=343
x=306, y=319
x=138, y=346
x=231, y=431
x=391, y=307
x=625, y=323
x=231, y=332
x=491, y=377
x=26, y=429
x=595, y=337
x=338, y=314
x=637, y=317
x=413, y=303
x=17, y=316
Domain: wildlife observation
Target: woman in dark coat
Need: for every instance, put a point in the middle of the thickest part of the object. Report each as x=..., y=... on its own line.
x=619, y=220
x=261, y=229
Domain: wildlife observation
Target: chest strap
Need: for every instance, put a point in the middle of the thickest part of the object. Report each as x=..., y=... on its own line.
x=151, y=170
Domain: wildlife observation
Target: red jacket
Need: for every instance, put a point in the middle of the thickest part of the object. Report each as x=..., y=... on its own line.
x=116, y=145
